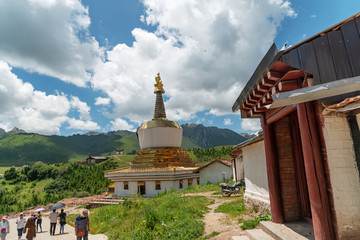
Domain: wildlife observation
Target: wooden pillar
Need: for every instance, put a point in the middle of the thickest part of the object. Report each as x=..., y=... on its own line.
x=272, y=173
x=315, y=174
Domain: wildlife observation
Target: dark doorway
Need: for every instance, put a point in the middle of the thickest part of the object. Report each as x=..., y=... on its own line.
x=293, y=183
x=141, y=188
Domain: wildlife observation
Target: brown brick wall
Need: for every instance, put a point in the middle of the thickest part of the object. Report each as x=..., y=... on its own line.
x=286, y=169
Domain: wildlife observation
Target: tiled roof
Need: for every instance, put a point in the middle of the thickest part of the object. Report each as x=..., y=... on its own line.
x=150, y=170
x=222, y=161
x=340, y=107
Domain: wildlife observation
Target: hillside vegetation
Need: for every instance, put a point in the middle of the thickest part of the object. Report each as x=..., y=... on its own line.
x=42, y=183
x=18, y=148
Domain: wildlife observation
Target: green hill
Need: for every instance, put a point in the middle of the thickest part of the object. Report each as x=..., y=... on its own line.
x=209, y=137
x=18, y=148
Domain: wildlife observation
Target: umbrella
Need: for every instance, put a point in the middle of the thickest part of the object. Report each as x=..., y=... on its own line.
x=57, y=206
x=39, y=210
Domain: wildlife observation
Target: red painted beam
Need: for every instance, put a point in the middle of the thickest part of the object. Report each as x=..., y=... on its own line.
x=257, y=93
x=275, y=76
x=272, y=169
x=315, y=172
x=246, y=106
x=262, y=88
x=289, y=85
x=266, y=101
x=253, y=98
x=267, y=82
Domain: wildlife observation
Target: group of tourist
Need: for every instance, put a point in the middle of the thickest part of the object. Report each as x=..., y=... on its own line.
x=28, y=226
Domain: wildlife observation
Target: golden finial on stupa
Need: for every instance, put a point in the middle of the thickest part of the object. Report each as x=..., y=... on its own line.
x=158, y=85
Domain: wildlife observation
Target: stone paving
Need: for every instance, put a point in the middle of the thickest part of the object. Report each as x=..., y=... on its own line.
x=45, y=235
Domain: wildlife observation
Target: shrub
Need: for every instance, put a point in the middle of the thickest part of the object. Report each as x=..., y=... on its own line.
x=11, y=174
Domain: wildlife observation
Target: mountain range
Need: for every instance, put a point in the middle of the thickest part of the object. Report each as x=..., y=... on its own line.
x=18, y=147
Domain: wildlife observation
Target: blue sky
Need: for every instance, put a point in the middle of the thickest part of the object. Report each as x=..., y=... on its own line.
x=74, y=66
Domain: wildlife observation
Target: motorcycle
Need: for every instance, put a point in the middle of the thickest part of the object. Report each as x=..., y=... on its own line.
x=228, y=189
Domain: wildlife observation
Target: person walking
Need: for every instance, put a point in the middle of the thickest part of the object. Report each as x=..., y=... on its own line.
x=20, y=223
x=30, y=228
x=38, y=222
x=62, y=220
x=5, y=227
x=82, y=225
x=53, y=220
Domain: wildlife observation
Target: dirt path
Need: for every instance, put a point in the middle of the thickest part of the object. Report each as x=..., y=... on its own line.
x=219, y=222
x=69, y=232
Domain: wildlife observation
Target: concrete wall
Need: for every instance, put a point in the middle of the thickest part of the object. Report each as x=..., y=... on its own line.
x=344, y=175
x=150, y=187
x=214, y=173
x=257, y=190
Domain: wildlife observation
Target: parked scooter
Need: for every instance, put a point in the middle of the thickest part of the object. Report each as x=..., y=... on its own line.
x=228, y=189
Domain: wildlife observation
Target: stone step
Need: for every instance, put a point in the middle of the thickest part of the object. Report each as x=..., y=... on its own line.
x=110, y=200
x=244, y=237
x=258, y=234
x=293, y=231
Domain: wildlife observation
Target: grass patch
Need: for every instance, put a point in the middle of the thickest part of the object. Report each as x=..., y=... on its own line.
x=198, y=188
x=253, y=223
x=3, y=169
x=213, y=234
x=168, y=216
x=233, y=209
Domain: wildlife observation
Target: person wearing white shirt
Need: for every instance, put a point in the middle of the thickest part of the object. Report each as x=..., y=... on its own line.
x=20, y=222
x=53, y=220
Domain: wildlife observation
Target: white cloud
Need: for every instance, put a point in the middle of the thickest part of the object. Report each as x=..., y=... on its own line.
x=82, y=108
x=82, y=124
x=33, y=111
x=102, y=101
x=44, y=36
x=205, y=51
x=251, y=124
x=121, y=124
x=227, y=121
x=313, y=16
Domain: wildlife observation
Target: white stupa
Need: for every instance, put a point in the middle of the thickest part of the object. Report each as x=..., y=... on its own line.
x=160, y=164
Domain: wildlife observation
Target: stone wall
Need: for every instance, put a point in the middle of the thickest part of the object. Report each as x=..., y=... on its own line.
x=344, y=175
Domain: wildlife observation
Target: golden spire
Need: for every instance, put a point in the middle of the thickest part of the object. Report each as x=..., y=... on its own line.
x=159, y=111
x=158, y=85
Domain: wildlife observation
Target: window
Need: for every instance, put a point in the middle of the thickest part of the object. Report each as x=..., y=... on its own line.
x=126, y=185
x=157, y=185
x=181, y=183
x=198, y=181
x=190, y=181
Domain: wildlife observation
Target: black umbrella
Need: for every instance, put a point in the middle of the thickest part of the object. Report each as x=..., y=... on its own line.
x=57, y=206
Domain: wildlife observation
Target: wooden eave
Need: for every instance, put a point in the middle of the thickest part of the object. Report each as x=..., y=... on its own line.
x=326, y=57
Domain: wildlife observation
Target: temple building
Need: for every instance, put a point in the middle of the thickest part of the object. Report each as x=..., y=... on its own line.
x=160, y=164
x=307, y=98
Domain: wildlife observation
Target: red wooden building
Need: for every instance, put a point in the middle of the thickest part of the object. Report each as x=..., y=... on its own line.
x=308, y=100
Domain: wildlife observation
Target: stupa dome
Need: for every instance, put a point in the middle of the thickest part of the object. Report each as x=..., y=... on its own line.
x=159, y=132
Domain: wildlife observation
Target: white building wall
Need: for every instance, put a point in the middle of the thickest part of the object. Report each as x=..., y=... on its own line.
x=214, y=173
x=255, y=172
x=150, y=187
x=160, y=137
x=344, y=175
